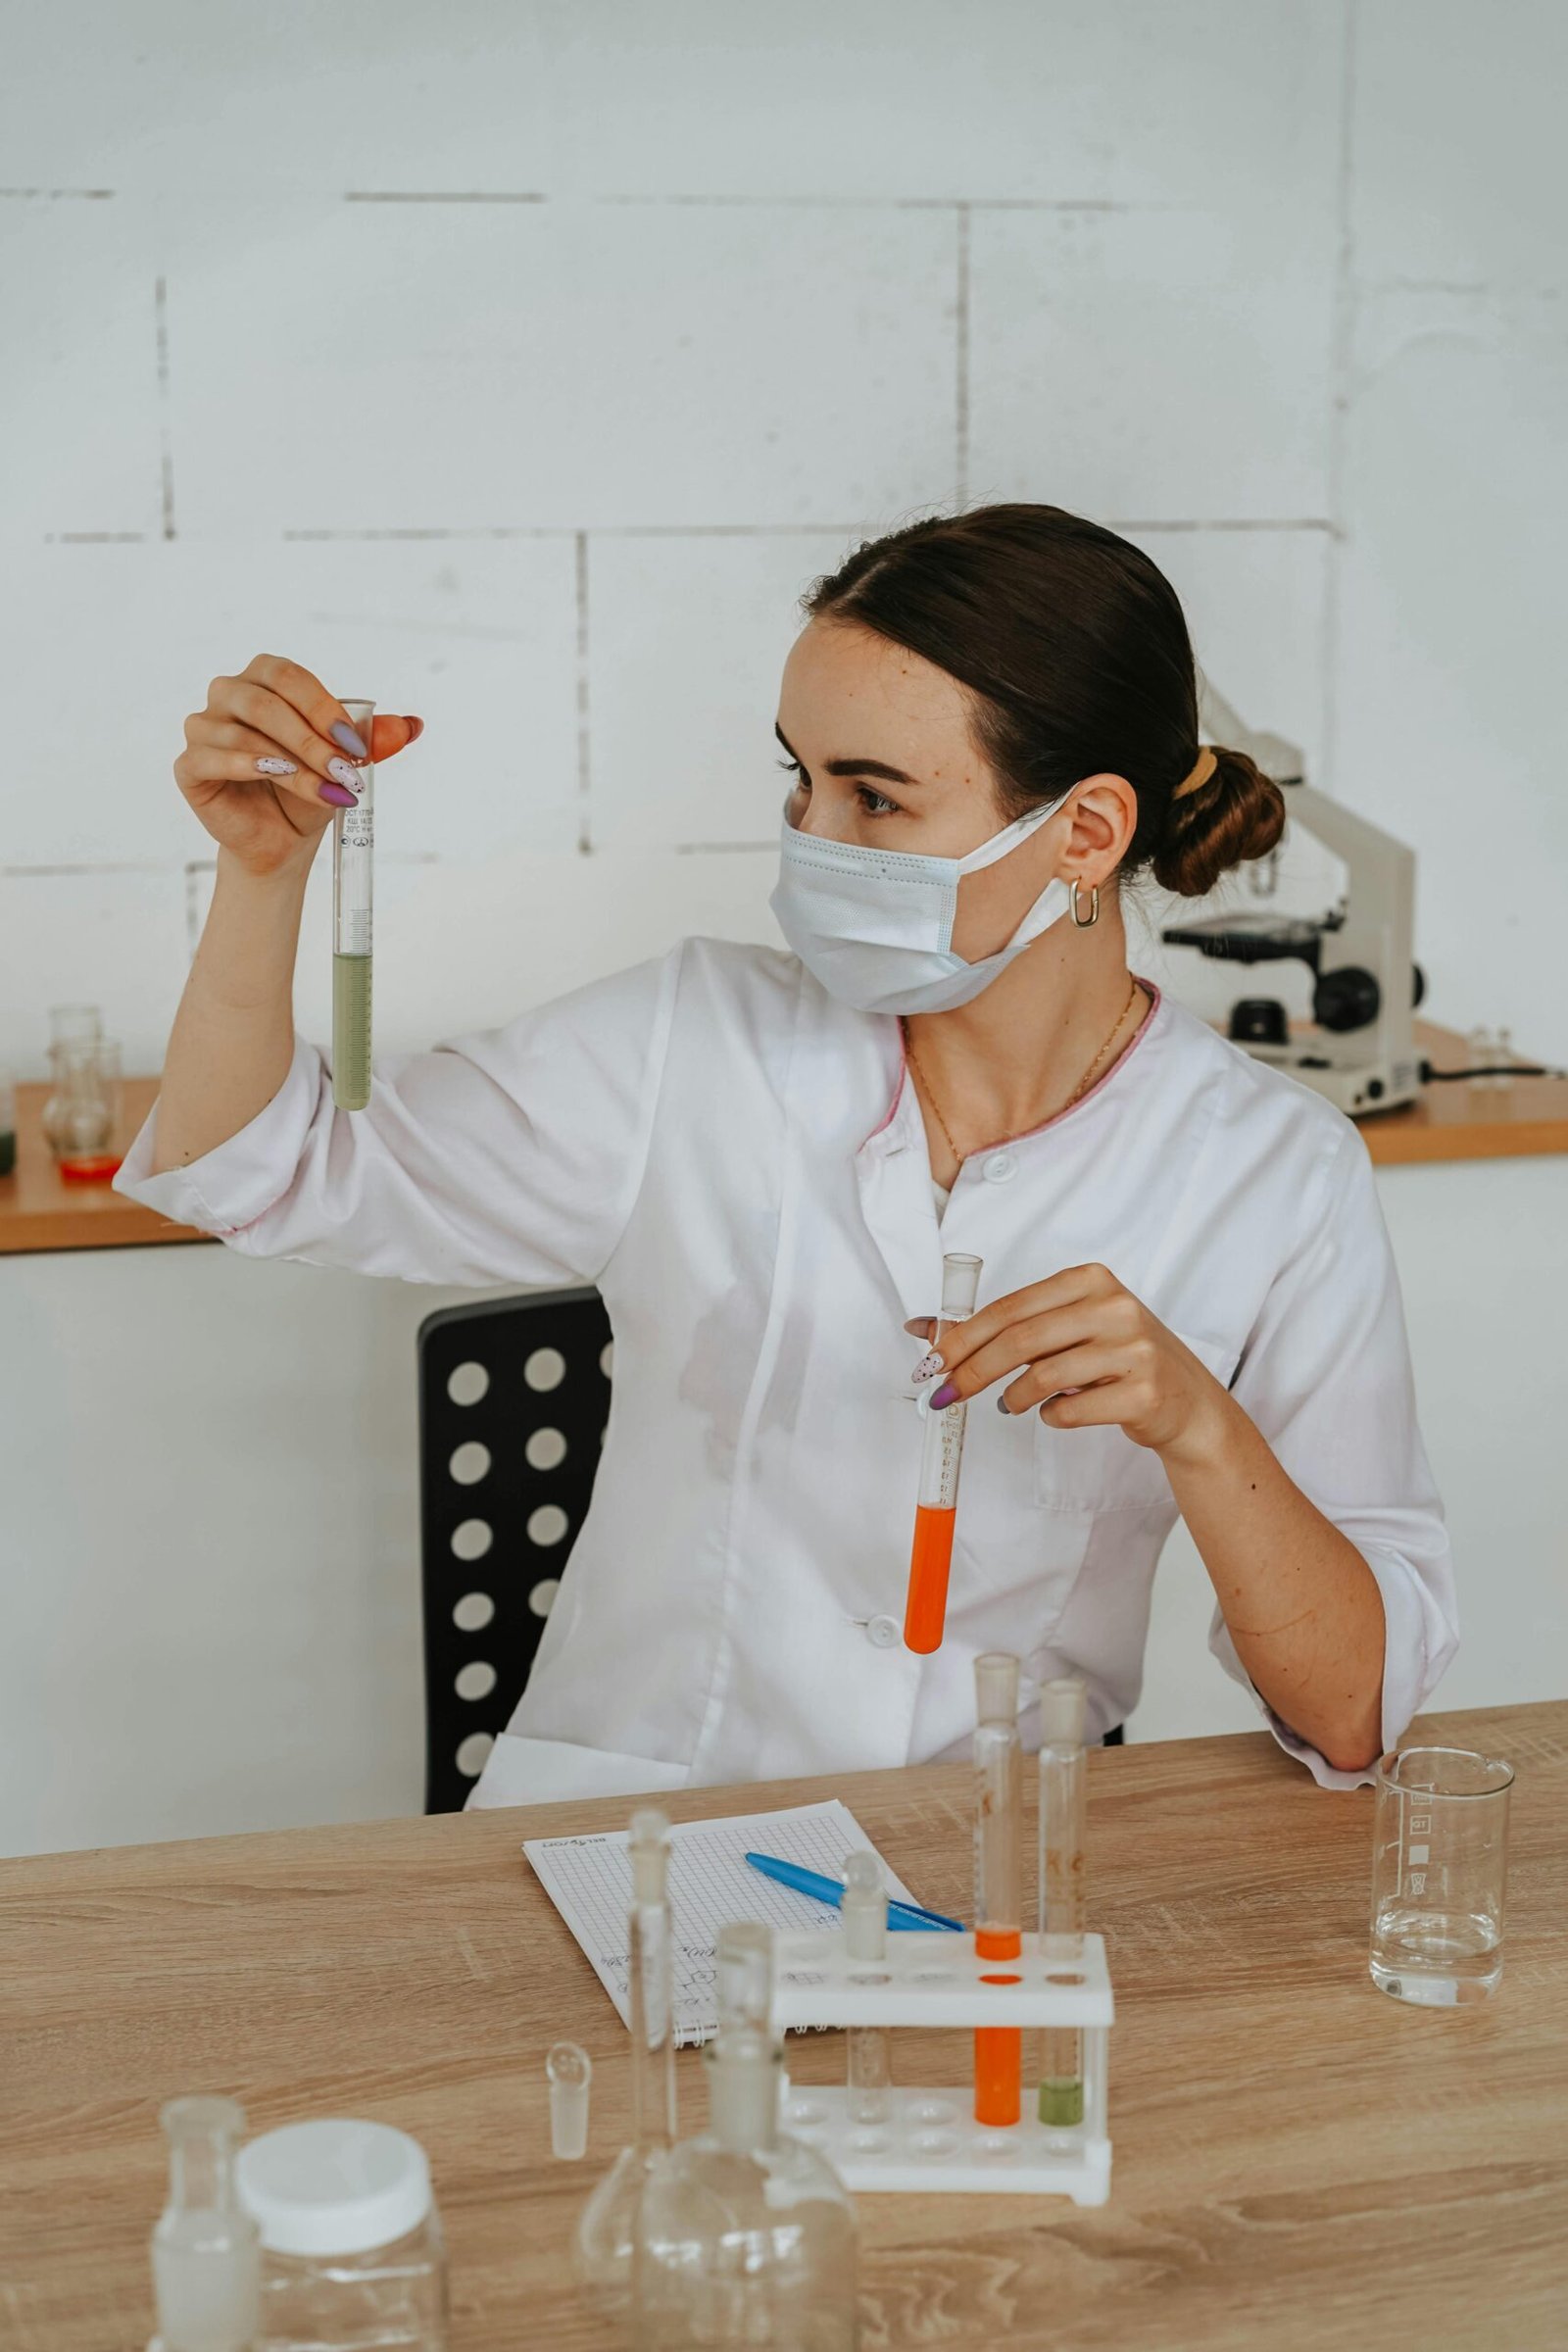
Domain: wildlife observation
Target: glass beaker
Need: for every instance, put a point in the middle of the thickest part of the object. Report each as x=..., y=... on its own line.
x=1440, y=1859
x=88, y=1101
x=206, y=2255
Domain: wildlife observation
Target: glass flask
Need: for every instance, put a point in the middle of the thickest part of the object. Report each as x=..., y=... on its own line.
x=606, y=2232
x=747, y=2234
x=353, y=2258
x=204, y=2249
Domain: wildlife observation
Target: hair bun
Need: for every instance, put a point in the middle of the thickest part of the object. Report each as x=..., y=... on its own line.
x=1237, y=816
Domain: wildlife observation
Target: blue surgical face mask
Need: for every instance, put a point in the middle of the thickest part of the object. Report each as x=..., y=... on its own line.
x=875, y=926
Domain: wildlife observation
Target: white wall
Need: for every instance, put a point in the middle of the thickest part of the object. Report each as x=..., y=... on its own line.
x=517, y=361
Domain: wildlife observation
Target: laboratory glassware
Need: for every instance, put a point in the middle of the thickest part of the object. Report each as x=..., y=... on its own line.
x=1062, y=1783
x=998, y=1874
x=1440, y=1859
x=570, y=2070
x=746, y=2235
x=868, y=2063
x=87, y=1104
x=69, y=1025
x=941, y=1453
x=8, y=1124
x=206, y=2262
x=351, y=2251
x=606, y=2232
x=353, y=892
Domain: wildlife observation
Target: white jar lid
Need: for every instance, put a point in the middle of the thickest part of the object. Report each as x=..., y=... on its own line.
x=333, y=2187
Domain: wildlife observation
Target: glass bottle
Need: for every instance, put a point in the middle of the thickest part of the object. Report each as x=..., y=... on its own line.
x=205, y=2260
x=69, y=1025
x=747, y=2234
x=606, y=2234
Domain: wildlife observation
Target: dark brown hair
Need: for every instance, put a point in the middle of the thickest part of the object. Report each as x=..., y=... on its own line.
x=1073, y=646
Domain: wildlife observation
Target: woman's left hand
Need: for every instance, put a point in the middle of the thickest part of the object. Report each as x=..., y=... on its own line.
x=1091, y=1355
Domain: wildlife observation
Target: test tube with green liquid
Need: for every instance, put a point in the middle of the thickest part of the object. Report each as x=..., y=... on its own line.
x=353, y=895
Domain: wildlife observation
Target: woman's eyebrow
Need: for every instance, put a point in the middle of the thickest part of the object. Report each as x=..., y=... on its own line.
x=851, y=767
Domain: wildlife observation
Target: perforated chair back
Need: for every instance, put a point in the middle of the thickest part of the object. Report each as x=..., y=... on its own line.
x=513, y=1398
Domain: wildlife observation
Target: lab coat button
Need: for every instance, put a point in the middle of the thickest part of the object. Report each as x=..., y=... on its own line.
x=883, y=1633
x=999, y=1168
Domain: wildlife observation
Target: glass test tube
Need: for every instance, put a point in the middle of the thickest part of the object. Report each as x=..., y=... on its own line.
x=998, y=1874
x=936, y=1508
x=865, y=1941
x=352, y=855
x=1062, y=1784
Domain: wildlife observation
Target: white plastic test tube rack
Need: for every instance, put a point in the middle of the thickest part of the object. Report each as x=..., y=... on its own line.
x=931, y=2139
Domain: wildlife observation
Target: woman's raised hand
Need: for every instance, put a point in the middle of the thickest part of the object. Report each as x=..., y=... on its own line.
x=1085, y=1352
x=271, y=757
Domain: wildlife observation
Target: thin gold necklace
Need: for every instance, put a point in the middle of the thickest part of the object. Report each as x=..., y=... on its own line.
x=1082, y=1086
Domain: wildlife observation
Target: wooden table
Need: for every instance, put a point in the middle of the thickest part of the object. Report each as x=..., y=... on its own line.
x=40, y=1210
x=1454, y=1119
x=1300, y=2161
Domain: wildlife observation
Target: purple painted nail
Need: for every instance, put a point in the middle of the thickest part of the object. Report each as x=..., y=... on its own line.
x=277, y=768
x=942, y=1398
x=1003, y=1406
x=338, y=797
x=355, y=745
x=341, y=771
x=927, y=1368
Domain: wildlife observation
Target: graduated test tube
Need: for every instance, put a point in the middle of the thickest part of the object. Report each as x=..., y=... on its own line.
x=1062, y=1782
x=936, y=1508
x=353, y=854
x=865, y=1941
x=998, y=1874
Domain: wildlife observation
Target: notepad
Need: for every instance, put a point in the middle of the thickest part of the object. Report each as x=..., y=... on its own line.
x=589, y=1882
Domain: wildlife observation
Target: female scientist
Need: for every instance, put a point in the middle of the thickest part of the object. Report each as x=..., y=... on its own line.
x=761, y=1155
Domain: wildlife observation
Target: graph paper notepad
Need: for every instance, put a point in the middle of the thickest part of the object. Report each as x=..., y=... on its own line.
x=710, y=1884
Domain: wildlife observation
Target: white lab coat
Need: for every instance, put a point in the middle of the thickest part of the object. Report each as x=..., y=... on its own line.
x=739, y=1163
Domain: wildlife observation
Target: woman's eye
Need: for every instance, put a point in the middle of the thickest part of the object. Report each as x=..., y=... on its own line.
x=793, y=767
x=875, y=803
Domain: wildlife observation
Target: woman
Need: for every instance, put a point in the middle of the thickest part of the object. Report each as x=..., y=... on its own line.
x=990, y=727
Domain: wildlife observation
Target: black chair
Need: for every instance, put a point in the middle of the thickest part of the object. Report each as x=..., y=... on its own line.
x=514, y=1396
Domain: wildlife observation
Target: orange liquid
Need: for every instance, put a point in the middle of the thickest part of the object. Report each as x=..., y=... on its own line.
x=94, y=1167
x=926, y=1609
x=997, y=2049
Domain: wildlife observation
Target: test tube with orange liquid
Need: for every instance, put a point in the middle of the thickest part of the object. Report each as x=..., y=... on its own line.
x=936, y=1508
x=998, y=1876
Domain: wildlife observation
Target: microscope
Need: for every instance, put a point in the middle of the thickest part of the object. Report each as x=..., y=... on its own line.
x=1359, y=1048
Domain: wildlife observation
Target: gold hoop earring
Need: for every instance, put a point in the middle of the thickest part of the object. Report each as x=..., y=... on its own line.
x=1083, y=921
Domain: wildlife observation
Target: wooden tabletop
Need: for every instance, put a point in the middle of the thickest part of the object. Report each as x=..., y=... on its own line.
x=40, y=1210
x=1300, y=2162
x=1462, y=1119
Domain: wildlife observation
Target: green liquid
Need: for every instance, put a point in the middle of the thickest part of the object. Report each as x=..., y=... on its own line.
x=351, y=1031
x=1061, y=2104
x=8, y=1152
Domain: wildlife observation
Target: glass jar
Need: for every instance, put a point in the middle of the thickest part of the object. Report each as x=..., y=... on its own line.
x=86, y=1110
x=352, y=2252
x=69, y=1025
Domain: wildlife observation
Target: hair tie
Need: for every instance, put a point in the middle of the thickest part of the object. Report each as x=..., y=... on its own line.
x=1197, y=775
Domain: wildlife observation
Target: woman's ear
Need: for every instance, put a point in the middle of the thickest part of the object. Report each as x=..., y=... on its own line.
x=1104, y=819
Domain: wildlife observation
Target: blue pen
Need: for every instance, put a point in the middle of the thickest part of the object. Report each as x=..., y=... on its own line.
x=908, y=1916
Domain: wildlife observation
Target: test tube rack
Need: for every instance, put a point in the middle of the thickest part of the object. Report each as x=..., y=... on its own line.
x=931, y=2139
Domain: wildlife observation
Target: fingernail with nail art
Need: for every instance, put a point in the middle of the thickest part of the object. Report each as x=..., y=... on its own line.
x=354, y=744
x=927, y=1368
x=341, y=772
x=338, y=797
x=277, y=768
x=942, y=1398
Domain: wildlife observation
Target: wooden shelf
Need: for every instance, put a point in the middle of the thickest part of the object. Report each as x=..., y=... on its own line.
x=40, y=1210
